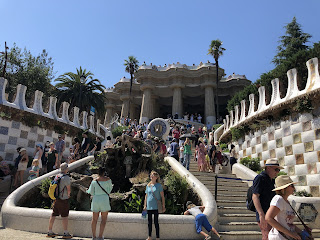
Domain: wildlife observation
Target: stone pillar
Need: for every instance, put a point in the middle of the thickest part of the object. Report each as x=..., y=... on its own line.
x=177, y=102
x=210, y=113
x=109, y=114
x=125, y=106
x=132, y=110
x=146, y=107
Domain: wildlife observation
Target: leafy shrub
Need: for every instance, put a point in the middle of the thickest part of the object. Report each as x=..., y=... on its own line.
x=252, y=163
x=303, y=104
x=44, y=186
x=216, y=126
x=282, y=173
x=224, y=146
x=177, y=192
x=118, y=131
x=134, y=204
x=303, y=193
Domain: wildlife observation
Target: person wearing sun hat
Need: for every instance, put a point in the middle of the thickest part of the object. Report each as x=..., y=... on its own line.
x=280, y=214
x=263, y=184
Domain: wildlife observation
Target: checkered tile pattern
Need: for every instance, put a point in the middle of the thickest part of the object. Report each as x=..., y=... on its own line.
x=14, y=134
x=295, y=142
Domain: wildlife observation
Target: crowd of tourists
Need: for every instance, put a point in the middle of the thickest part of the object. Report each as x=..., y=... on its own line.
x=48, y=157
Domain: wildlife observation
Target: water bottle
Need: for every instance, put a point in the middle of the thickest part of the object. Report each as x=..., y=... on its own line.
x=144, y=214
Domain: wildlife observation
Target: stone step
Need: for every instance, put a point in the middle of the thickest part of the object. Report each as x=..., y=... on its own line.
x=241, y=235
x=229, y=197
x=212, y=175
x=228, y=192
x=224, y=183
x=231, y=203
x=224, y=210
x=239, y=226
x=237, y=217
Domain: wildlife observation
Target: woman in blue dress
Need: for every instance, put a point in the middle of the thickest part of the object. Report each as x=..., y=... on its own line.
x=154, y=192
x=100, y=190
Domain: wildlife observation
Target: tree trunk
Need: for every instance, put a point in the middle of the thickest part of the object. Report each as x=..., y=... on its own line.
x=217, y=101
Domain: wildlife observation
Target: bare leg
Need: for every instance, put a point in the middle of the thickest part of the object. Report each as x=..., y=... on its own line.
x=215, y=231
x=16, y=176
x=51, y=222
x=21, y=177
x=204, y=234
x=95, y=216
x=65, y=223
x=104, y=216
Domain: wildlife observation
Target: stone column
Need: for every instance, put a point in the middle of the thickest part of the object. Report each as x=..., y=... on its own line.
x=132, y=110
x=210, y=115
x=146, y=107
x=125, y=106
x=177, y=102
x=109, y=114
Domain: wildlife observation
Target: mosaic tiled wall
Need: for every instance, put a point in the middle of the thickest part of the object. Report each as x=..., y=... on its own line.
x=14, y=134
x=295, y=142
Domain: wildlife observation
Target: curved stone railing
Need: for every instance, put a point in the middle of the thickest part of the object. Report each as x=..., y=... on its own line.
x=243, y=172
x=236, y=117
x=20, y=103
x=132, y=224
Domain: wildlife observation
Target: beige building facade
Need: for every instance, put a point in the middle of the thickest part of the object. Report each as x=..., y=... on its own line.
x=173, y=89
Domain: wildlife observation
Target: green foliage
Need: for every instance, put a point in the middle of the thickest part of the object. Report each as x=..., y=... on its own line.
x=35, y=72
x=252, y=163
x=224, y=146
x=134, y=204
x=282, y=173
x=118, y=131
x=292, y=53
x=216, y=126
x=303, y=104
x=44, y=186
x=303, y=193
x=81, y=90
x=177, y=192
x=239, y=132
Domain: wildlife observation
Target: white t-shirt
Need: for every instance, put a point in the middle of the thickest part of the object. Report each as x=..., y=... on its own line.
x=285, y=217
x=195, y=211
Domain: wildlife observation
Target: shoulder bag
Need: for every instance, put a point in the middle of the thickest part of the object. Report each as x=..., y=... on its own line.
x=102, y=188
x=159, y=203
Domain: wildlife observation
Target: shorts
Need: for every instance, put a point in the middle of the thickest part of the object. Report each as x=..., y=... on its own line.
x=202, y=221
x=61, y=207
x=60, y=155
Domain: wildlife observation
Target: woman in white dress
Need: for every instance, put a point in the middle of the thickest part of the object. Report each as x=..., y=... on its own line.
x=280, y=214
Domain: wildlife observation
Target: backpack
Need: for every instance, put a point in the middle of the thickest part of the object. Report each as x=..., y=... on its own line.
x=54, y=190
x=249, y=201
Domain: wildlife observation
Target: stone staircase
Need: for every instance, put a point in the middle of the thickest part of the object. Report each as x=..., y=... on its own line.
x=235, y=222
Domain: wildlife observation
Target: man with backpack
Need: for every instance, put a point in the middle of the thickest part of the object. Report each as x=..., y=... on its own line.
x=61, y=202
x=262, y=193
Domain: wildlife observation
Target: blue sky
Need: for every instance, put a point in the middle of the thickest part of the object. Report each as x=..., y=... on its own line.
x=99, y=34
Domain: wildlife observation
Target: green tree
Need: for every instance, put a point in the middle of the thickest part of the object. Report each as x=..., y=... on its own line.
x=216, y=50
x=80, y=89
x=132, y=65
x=293, y=52
x=35, y=72
x=294, y=41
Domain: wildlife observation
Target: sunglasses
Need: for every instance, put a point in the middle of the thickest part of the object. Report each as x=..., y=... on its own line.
x=277, y=169
x=291, y=185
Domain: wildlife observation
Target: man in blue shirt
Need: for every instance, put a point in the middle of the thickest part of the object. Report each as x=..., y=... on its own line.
x=174, y=149
x=263, y=184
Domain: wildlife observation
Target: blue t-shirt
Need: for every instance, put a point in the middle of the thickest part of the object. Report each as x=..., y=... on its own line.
x=151, y=201
x=174, y=148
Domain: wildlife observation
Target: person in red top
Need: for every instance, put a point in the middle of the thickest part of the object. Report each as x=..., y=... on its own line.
x=176, y=133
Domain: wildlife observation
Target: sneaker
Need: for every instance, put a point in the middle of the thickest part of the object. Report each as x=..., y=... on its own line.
x=66, y=236
x=51, y=235
x=207, y=238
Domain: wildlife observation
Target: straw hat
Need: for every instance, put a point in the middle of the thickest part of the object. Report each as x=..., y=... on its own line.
x=200, y=139
x=22, y=149
x=283, y=182
x=273, y=162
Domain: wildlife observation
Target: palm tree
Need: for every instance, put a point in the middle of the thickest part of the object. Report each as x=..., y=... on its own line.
x=216, y=50
x=132, y=65
x=81, y=90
